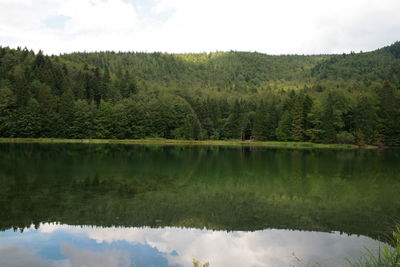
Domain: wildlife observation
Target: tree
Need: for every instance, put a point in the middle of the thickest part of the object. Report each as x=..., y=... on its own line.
x=50, y=121
x=128, y=85
x=301, y=108
x=7, y=106
x=233, y=127
x=28, y=120
x=66, y=109
x=82, y=125
x=21, y=83
x=284, y=130
x=272, y=120
x=260, y=129
x=388, y=113
x=191, y=127
x=137, y=121
x=334, y=107
x=366, y=121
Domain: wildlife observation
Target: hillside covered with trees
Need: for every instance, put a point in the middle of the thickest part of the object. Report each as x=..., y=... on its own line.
x=348, y=98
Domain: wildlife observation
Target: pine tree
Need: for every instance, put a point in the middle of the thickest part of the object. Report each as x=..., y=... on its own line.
x=335, y=107
x=301, y=108
x=82, y=125
x=66, y=111
x=28, y=120
x=328, y=124
x=97, y=85
x=260, y=129
x=233, y=126
x=272, y=120
x=128, y=85
x=298, y=119
x=387, y=113
x=284, y=130
x=191, y=127
x=366, y=121
x=7, y=106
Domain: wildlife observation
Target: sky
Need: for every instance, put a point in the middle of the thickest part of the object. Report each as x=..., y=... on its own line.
x=184, y=26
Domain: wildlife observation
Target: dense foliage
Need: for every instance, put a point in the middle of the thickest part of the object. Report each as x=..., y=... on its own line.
x=349, y=98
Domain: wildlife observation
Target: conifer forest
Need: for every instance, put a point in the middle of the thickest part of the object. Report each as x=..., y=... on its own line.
x=344, y=98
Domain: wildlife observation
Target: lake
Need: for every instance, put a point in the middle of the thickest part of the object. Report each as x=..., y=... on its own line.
x=132, y=205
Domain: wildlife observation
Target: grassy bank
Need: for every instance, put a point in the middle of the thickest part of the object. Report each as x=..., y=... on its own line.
x=185, y=142
x=387, y=256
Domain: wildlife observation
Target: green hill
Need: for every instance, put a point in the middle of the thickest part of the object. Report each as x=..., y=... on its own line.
x=379, y=65
x=236, y=71
x=349, y=98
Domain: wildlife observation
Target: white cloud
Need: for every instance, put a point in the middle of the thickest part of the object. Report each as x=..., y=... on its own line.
x=98, y=17
x=275, y=27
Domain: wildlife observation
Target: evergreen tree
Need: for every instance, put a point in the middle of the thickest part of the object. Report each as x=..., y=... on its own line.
x=301, y=108
x=83, y=125
x=261, y=120
x=66, y=111
x=103, y=120
x=272, y=120
x=335, y=106
x=97, y=84
x=28, y=120
x=233, y=126
x=284, y=130
x=128, y=85
x=137, y=119
x=388, y=110
x=7, y=107
x=21, y=83
x=366, y=121
x=191, y=127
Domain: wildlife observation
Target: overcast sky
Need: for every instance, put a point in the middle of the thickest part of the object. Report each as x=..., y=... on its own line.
x=268, y=26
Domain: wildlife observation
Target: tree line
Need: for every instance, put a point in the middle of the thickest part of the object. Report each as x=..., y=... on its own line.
x=224, y=95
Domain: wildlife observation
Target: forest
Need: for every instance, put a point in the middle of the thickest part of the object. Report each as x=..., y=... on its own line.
x=348, y=98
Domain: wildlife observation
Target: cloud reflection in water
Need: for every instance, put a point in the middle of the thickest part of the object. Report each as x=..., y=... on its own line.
x=171, y=246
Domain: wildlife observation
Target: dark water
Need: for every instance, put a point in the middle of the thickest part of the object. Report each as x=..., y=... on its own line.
x=120, y=205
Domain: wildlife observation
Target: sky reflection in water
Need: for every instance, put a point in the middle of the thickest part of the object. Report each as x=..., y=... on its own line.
x=65, y=245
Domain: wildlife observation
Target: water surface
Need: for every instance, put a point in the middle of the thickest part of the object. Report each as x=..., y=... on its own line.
x=124, y=205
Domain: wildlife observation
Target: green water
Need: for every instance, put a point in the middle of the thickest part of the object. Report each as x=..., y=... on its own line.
x=213, y=188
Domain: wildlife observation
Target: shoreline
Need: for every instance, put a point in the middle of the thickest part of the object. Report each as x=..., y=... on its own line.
x=173, y=142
